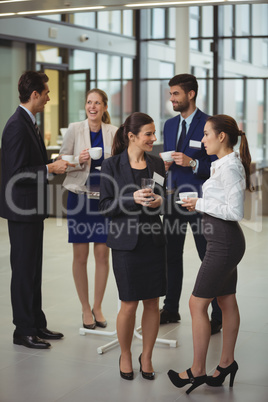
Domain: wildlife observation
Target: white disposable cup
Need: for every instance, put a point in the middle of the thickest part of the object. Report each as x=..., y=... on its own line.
x=95, y=153
x=68, y=158
x=166, y=156
x=188, y=194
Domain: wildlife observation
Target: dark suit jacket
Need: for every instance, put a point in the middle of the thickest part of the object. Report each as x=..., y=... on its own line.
x=117, y=202
x=23, y=194
x=183, y=177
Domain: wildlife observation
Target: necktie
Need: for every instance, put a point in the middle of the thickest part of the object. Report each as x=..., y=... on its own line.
x=38, y=133
x=182, y=136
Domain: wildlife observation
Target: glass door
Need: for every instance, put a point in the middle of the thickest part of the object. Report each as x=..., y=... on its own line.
x=67, y=102
x=75, y=85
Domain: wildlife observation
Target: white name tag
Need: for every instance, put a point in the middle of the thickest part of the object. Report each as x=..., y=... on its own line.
x=158, y=179
x=195, y=144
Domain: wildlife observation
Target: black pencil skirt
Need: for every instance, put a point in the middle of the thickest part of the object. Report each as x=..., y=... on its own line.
x=140, y=273
x=217, y=275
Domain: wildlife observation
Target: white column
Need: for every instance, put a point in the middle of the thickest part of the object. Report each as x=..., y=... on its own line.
x=182, y=41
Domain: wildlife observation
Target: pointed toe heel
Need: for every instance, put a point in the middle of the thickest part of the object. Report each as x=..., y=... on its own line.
x=181, y=382
x=126, y=376
x=219, y=380
x=146, y=376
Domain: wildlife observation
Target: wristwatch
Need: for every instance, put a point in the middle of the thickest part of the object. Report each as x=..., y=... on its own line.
x=192, y=163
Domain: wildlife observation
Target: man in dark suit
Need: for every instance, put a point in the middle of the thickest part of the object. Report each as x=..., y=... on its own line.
x=191, y=167
x=23, y=202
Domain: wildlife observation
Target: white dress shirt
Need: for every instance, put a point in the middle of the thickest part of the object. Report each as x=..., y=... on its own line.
x=224, y=191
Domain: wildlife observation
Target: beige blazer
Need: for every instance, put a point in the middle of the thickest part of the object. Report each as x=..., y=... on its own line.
x=76, y=139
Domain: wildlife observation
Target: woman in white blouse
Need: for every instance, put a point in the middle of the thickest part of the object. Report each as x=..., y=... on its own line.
x=223, y=206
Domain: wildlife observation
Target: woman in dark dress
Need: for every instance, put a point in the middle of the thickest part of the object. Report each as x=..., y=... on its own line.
x=135, y=235
x=85, y=224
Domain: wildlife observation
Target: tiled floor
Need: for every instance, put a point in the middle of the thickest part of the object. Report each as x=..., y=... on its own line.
x=73, y=371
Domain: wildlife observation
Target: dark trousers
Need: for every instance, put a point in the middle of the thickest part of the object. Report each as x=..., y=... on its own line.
x=26, y=254
x=175, y=224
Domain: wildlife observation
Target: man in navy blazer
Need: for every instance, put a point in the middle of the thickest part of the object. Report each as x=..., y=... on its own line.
x=23, y=202
x=188, y=171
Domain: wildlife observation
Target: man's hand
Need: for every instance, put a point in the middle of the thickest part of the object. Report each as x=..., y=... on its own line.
x=181, y=159
x=58, y=167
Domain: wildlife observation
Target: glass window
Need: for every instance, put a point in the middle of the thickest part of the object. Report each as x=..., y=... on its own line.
x=171, y=29
x=127, y=68
x=113, y=90
x=243, y=28
x=85, y=19
x=127, y=101
x=128, y=22
x=229, y=30
x=166, y=70
x=158, y=23
x=109, y=67
x=265, y=52
x=47, y=54
x=53, y=17
x=195, y=27
x=109, y=21
x=76, y=101
x=83, y=60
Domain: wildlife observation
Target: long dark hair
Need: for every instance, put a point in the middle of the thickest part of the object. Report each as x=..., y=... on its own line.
x=133, y=124
x=226, y=124
x=105, y=117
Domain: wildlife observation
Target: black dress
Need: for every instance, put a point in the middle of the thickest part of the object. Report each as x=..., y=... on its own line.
x=141, y=273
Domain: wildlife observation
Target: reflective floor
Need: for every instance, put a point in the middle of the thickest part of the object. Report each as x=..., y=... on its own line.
x=73, y=370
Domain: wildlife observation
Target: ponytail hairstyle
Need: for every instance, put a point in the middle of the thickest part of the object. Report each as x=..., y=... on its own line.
x=226, y=124
x=133, y=124
x=105, y=117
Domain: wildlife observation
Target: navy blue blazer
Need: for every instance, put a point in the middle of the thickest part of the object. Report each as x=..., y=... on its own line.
x=24, y=161
x=183, y=177
x=117, y=202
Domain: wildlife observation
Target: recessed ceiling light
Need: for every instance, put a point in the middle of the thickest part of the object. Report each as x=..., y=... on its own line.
x=12, y=1
x=61, y=10
x=174, y=3
x=6, y=14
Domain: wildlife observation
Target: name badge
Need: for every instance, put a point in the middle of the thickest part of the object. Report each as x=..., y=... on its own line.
x=158, y=179
x=195, y=144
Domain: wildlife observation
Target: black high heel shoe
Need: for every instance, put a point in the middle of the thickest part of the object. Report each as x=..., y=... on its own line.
x=126, y=376
x=218, y=381
x=88, y=326
x=181, y=382
x=147, y=376
x=101, y=324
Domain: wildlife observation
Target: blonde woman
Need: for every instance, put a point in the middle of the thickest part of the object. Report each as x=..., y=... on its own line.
x=85, y=224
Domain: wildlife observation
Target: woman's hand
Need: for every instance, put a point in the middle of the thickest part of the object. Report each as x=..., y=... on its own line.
x=189, y=203
x=143, y=196
x=84, y=156
x=156, y=201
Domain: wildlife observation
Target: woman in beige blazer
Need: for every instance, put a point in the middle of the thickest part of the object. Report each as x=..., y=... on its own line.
x=85, y=224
